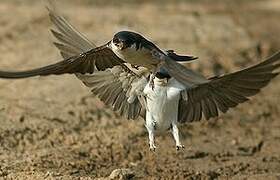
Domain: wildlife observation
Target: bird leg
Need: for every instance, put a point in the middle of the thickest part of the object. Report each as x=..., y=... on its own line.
x=126, y=69
x=153, y=75
x=150, y=126
x=175, y=132
x=151, y=82
x=135, y=66
x=152, y=141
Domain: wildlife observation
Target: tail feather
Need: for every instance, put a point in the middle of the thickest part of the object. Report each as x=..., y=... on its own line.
x=182, y=74
x=180, y=58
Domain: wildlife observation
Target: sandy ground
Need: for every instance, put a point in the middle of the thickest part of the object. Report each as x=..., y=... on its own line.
x=52, y=128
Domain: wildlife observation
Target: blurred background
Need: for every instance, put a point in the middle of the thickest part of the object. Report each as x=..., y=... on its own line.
x=51, y=127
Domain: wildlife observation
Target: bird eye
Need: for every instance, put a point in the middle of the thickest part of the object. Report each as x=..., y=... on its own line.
x=116, y=41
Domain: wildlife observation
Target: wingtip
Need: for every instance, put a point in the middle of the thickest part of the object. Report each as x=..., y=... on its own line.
x=275, y=55
x=194, y=57
x=50, y=5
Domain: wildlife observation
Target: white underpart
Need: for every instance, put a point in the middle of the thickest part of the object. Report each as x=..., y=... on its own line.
x=162, y=108
x=133, y=56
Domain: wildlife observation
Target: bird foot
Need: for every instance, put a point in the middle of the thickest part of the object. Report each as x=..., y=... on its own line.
x=135, y=67
x=178, y=147
x=152, y=84
x=153, y=147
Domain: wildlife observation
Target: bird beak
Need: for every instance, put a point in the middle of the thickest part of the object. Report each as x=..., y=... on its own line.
x=123, y=46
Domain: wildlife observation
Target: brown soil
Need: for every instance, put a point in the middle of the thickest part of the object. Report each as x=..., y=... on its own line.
x=52, y=128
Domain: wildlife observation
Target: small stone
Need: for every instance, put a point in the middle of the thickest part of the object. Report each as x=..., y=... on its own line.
x=21, y=119
x=122, y=174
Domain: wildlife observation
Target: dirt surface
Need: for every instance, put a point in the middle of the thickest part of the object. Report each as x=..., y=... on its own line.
x=52, y=128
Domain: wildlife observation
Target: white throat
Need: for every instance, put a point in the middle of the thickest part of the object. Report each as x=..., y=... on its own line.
x=117, y=50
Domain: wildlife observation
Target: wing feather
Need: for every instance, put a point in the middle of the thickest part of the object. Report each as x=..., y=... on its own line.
x=83, y=63
x=115, y=86
x=227, y=91
x=67, y=34
x=72, y=42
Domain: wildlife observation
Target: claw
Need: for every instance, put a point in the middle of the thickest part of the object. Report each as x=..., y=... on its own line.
x=135, y=67
x=178, y=147
x=153, y=148
x=152, y=84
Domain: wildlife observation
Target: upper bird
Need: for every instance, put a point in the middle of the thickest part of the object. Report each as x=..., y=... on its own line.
x=125, y=47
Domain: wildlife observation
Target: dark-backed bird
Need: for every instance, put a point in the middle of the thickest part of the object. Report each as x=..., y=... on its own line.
x=121, y=72
x=125, y=47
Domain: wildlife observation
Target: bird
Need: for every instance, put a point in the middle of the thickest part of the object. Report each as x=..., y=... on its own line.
x=125, y=47
x=170, y=102
x=117, y=77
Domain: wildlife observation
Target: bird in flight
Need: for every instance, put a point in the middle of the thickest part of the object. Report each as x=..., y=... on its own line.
x=125, y=47
x=136, y=78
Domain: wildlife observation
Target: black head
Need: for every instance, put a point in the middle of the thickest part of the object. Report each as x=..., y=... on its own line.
x=125, y=39
x=162, y=73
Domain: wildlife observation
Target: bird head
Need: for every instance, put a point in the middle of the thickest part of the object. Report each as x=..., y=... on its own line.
x=125, y=39
x=162, y=74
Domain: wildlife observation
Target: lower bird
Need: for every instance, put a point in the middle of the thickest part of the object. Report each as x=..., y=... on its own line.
x=171, y=102
x=136, y=78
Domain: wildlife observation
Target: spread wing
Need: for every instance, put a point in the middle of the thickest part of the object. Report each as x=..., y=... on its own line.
x=115, y=86
x=120, y=88
x=82, y=63
x=80, y=55
x=71, y=42
x=227, y=91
